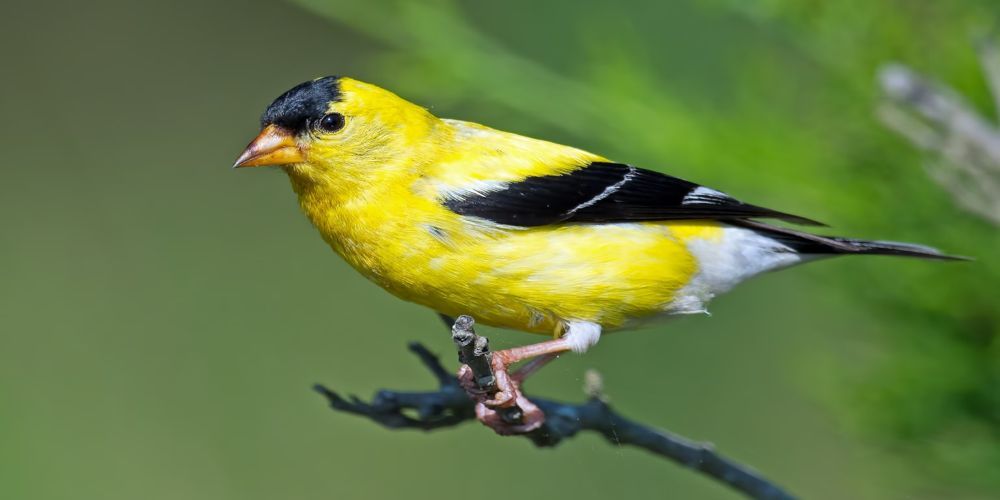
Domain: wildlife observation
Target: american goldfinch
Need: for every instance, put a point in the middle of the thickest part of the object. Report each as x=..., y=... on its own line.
x=517, y=232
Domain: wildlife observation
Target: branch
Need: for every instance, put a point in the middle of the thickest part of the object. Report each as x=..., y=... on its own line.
x=450, y=406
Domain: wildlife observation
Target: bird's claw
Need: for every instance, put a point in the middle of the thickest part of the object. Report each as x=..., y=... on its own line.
x=506, y=410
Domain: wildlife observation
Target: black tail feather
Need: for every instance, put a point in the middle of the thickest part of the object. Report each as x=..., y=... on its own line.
x=806, y=243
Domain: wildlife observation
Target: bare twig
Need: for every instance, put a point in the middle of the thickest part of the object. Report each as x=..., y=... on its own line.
x=450, y=406
x=474, y=351
x=446, y=407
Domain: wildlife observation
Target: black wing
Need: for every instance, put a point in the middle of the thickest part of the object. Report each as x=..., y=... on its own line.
x=606, y=192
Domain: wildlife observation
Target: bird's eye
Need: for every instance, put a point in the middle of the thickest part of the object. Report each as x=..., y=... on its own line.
x=331, y=122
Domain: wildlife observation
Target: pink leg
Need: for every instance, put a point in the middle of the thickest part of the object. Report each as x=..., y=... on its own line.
x=524, y=371
x=515, y=354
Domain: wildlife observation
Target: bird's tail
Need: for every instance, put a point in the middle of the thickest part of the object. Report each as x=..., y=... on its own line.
x=806, y=243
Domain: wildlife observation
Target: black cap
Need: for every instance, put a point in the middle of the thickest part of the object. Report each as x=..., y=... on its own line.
x=303, y=104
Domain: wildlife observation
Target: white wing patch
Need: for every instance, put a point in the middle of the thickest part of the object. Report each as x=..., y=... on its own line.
x=702, y=194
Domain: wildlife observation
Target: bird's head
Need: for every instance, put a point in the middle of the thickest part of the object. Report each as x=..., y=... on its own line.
x=337, y=127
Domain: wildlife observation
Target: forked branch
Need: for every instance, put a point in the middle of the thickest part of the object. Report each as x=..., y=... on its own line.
x=449, y=406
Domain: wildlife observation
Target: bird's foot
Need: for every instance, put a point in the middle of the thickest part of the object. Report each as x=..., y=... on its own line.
x=506, y=410
x=500, y=404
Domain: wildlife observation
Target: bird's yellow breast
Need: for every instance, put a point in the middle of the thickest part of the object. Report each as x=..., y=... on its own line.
x=528, y=279
x=378, y=203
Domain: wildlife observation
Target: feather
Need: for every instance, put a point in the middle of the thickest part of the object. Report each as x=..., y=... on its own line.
x=605, y=192
x=806, y=243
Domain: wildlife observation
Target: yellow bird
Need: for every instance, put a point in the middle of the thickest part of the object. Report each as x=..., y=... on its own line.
x=517, y=232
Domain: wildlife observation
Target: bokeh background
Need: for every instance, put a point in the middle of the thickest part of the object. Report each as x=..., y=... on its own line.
x=162, y=317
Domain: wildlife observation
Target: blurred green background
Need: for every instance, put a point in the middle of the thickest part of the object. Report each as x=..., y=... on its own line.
x=162, y=316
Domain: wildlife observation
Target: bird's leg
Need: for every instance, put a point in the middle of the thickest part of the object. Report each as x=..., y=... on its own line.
x=485, y=376
x=532, y=366
x=577, y=336
x=537, y=355
x=503, y=407
x=509, y=406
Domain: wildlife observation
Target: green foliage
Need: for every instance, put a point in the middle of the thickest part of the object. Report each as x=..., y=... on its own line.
x=769, y=100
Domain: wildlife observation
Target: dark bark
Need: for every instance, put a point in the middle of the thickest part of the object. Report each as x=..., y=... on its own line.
x=450, y=405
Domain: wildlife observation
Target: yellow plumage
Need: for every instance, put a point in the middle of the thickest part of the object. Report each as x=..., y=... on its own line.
x=519, y=232
x=378, y=209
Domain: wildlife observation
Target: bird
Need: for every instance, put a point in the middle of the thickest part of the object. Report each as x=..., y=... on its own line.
x=518, y=232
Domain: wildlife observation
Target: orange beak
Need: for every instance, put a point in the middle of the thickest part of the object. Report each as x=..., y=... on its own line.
x=274, y=146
